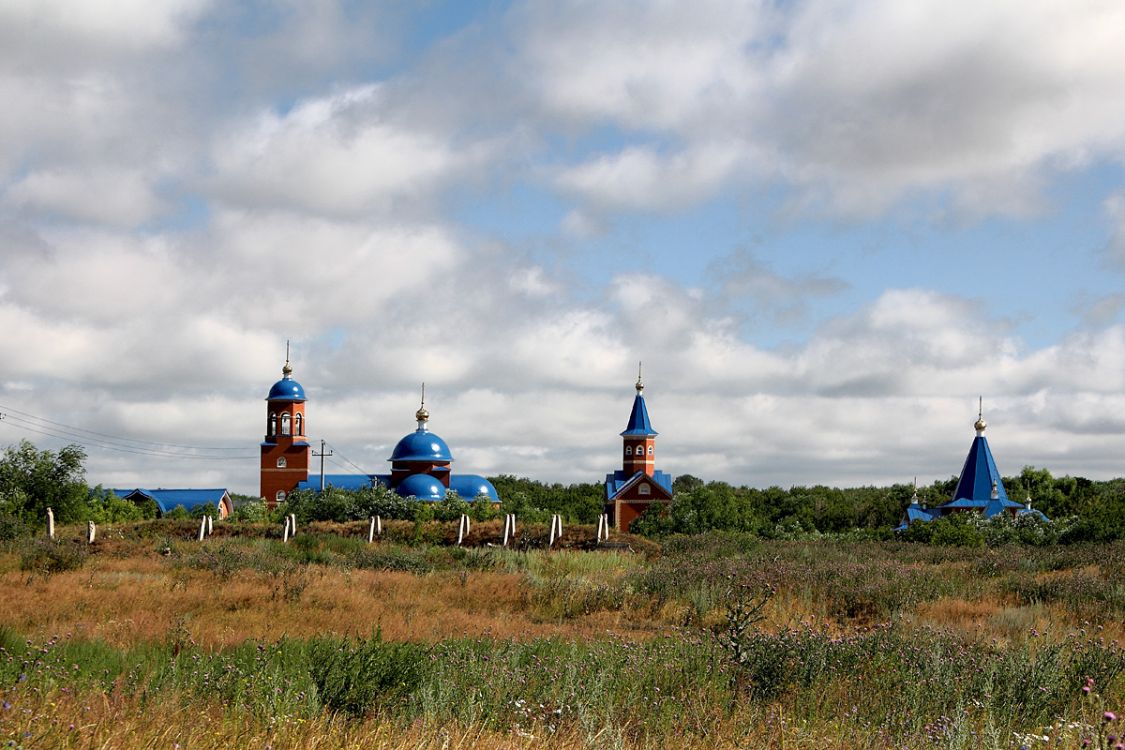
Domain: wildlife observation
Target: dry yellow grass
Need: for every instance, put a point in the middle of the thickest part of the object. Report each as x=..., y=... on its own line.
x=125, y=601
x=62, y=721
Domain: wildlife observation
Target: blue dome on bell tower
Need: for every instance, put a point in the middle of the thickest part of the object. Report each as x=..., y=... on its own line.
x=286, y=389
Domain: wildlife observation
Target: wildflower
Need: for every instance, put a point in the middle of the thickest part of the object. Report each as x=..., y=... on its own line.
x=1109, y=716
x=7, y=705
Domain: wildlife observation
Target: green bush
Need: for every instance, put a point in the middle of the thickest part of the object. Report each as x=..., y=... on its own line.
x=357, y=677
x=46, y=556
x=254, y=511
x=12, y=528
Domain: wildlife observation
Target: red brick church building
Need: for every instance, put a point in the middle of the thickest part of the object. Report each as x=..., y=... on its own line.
x=638, y=484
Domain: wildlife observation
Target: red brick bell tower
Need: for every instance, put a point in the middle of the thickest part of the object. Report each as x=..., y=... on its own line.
x=285, y=449
x=638, y=484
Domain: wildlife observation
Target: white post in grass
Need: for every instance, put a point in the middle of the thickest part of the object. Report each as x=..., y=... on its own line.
x=292, y=524
x=379, y=526
x=509, y=528
x=603, y=528
x=50, y=524
x=285, y=534
x=463, y=528
x=556, y=530
x=91, y=532
x=210, y=525
x=202, y=528
x=371, y=531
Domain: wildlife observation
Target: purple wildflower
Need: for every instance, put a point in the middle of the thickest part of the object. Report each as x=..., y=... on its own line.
x=1109, y=716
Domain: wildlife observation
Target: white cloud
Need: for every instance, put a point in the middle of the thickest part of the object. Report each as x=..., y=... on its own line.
x=854, y=106
x=339, y=155
x=51, y=29
x=111, y=196
x=642, y=179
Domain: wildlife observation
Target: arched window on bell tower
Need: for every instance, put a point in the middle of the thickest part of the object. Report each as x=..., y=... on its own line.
x=298, y=424
x=285, y=423
x=273, y=425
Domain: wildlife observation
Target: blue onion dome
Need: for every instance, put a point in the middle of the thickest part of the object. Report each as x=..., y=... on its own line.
x=421, y=486
x=472, y=486
x=286, y=389
x=422, y=445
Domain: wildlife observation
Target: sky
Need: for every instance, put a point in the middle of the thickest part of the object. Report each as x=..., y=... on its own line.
x=825, y=227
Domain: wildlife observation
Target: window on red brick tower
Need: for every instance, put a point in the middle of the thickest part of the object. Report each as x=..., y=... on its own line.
x=298, y=425
x=285, y=423
x=281, y=462
x=281, y=496
x=628, y=450
x=273, y=425
x=650, y=450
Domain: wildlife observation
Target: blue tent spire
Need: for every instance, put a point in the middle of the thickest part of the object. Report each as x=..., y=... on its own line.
x=980, y=484
x=639, y=423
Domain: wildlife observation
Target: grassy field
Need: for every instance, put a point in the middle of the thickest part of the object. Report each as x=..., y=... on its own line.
x=152, y=639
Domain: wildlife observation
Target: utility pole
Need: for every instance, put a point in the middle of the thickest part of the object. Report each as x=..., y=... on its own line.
x=322, y=454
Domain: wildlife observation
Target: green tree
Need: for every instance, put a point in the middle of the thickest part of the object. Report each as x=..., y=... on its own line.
x=32, y=480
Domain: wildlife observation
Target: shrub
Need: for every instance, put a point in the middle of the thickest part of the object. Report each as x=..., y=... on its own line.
x=46, y=556
x=254, y=511
x=356, y=677
x=12, y=528
x=179, y=513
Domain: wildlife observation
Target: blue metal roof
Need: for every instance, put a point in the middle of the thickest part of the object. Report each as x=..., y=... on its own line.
x=422, y=487
x=639, y=423
x=915, y=512
x=616, y=481
x=167, y=500
x=339, y=481
x=471, y=486
x=421, y=445
x=978, y=475
x=286, y=389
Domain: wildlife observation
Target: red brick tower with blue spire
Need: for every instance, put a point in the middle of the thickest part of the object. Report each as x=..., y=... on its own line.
x=631, y=490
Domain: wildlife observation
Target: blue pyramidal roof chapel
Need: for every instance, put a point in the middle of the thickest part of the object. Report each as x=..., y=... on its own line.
x=980, y=488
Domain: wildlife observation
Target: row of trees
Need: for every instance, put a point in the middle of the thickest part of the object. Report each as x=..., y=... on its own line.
x=32, y=480
x=1082, y=509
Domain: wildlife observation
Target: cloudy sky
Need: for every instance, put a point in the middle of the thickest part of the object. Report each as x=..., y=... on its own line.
x=826, y=227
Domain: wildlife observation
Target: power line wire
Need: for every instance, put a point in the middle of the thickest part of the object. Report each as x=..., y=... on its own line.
x=10, y=421
x=341, y=455
x=114, y=438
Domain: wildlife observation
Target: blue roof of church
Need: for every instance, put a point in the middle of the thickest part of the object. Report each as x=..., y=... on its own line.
x=339, y=481
x=286, y=389
x=639, y=423
x=974, y=488
x=421, y=445
x=617, y=480
x=167, y=500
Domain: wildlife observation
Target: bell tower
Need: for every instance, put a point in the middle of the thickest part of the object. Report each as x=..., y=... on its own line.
x=285, y=448
x=638, y=485
x=639, y=439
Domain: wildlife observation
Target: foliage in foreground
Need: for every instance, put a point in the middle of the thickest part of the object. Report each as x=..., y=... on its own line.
x=887, y=680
